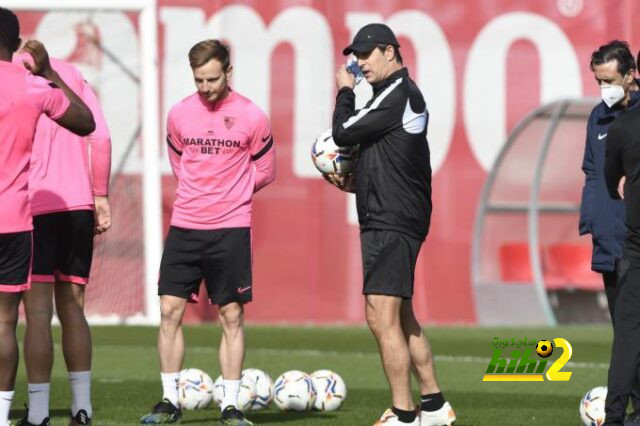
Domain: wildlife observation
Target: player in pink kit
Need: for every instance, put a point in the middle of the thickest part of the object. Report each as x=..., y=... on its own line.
x=221, y=151
x=23, y=98
x=64, y=180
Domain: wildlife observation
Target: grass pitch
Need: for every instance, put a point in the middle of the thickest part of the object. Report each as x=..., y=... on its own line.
x=126, y=380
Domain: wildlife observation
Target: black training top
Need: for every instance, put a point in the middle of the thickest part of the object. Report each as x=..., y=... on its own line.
x=393, y=173
x=623, y=159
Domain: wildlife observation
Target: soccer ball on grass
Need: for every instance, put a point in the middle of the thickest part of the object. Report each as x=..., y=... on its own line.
x=294, y=391
x=331, y=390
x=592, y=406
x=195, y=389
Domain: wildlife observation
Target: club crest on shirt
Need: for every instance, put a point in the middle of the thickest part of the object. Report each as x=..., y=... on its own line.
x=229, y=121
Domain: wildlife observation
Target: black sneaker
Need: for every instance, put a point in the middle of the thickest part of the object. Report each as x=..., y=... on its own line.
x=25, y=420
x=232, y=416
x=81, y=418
x=163, y=412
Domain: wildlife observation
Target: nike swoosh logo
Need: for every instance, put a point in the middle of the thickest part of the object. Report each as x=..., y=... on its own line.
x=35, y=391
x=243, y=290
x=265, y=139
x=600, y=137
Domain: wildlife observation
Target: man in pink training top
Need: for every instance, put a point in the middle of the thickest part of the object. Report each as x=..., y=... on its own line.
x=65, y=183
x=221, y=151
x=24, y=97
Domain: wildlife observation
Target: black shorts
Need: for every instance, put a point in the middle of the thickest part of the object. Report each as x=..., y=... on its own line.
x=388, y=262
x=15, y=261
x=221, y=256
x=63, y=246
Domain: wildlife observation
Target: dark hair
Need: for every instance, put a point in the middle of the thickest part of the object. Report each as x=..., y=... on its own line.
x=396, y=51
x=614, y=50
x=206, y=50
x=9, y=30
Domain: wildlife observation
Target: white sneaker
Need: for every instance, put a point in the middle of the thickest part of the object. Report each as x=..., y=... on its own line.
x=390, y=419
x=445, y=416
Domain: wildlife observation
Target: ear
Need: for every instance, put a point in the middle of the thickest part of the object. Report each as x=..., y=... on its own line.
x=629, y=76
x=229, y=72
x=389, y=53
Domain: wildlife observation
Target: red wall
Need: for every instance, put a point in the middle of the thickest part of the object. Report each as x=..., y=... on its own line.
x=306, y=255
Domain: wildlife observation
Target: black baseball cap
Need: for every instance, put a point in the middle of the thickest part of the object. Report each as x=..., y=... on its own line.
x=369, y=37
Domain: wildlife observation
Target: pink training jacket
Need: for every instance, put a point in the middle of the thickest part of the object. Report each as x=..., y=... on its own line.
x=23, y=98
x=68, y=170
x=221, y=154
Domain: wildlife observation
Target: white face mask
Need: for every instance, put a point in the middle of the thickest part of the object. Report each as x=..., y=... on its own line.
x=611, y=94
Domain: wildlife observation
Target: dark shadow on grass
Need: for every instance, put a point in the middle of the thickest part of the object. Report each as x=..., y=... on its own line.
x=56, y=412
x=284, y=416
x=484, y=404
x=514, y=408
x=270, y=417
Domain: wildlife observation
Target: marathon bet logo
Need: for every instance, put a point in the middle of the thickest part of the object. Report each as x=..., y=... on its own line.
x=525, y=366
x=212, y=145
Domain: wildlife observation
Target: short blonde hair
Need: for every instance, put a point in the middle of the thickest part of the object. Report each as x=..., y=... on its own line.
x=206, y=50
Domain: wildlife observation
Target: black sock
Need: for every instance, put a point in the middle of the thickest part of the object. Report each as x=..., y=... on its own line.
x=404, y=416
x=431, y=402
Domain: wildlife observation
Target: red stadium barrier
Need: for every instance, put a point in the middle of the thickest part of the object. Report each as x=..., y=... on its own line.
x=307, y=258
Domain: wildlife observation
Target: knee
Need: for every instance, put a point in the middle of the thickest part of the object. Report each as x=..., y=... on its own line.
x=39, y=314
x=382, y=315
x=8, y=312
x=375, y=321
x=8, y=323
x=231, y=316
x=170, y=314
x=69, y=301
x=410, y=325
x=70, y=315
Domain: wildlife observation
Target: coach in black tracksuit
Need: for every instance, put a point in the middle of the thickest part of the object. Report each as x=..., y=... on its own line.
x=393, y=197
x=393, y=184
x=623, y=159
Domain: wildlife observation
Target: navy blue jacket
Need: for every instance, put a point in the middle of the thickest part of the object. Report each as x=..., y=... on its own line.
x=600, y=215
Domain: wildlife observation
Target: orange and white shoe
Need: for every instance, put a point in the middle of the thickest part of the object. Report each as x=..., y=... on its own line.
x=390, y=419
x=445, y=416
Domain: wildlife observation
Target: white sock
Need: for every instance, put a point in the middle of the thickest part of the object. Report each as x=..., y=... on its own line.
x=38, y=402
x=231, y=390
x=170, y=386
x=5, y=405
x=80, y=392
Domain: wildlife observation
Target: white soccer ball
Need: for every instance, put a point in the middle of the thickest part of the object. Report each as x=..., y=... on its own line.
x=246, y=394
x=218, y=391
x=331, y=390
x=330, y=158
x=294, y=391
x=592, y=406
x=195, y=389
x=263, y=387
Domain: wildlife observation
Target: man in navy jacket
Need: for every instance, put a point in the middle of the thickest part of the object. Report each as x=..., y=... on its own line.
x=601, y=216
